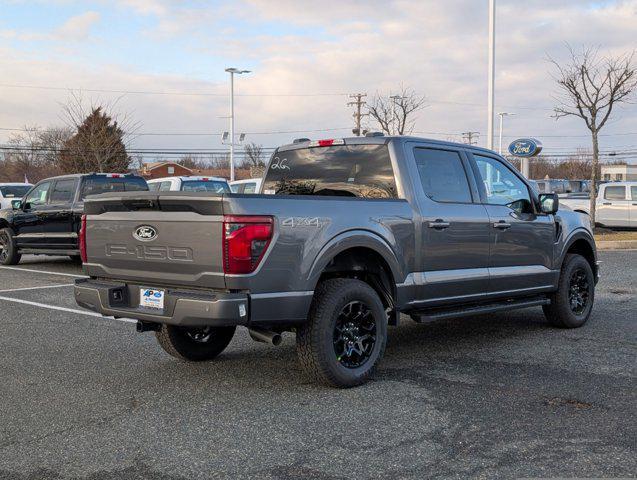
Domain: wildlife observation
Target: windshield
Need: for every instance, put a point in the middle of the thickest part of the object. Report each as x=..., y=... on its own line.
x=348, y=170
x=14, y=191
x=205, y=186
x=103, y=184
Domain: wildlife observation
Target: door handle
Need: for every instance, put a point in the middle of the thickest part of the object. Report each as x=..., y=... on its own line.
x=439, y=224
x=502, y=225
x=606, y=203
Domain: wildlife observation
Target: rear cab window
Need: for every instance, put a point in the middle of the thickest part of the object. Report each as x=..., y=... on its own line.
x=98, y=184
x=363, y=171
x=13, y=191
x=214, y=186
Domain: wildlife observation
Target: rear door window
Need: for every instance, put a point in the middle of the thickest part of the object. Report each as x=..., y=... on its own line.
x=442, y=175
x=343, y=171
x=63, y=191
x=103, y=184
x=615, y=193
x=633, y=192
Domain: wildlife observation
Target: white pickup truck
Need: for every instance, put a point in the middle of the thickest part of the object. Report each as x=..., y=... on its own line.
x=616, y=205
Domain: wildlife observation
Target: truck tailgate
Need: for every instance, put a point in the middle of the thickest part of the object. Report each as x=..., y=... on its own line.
x=161, y=239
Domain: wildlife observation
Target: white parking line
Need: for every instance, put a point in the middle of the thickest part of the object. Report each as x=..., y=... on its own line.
x=48, y=272
x=36, y=288
x=64, y=309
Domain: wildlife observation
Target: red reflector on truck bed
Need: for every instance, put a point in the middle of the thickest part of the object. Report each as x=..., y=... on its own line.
x=245, y=240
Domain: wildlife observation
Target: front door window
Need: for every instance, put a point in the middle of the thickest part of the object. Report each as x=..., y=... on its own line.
x=38, y=195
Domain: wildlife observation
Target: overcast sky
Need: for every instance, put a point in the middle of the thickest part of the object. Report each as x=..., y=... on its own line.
x=305, y=57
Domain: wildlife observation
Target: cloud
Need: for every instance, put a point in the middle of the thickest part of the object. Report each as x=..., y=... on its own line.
x=77, y=27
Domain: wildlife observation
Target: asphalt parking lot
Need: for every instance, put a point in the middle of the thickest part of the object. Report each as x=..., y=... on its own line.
x=492, y=396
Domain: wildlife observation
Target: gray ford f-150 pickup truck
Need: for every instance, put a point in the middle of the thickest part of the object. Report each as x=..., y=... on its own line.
x=345, y=236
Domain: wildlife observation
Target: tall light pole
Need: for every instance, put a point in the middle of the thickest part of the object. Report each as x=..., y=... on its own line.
x=393, y=99
x=502, y=115
x=491, y=95
x=232, y=72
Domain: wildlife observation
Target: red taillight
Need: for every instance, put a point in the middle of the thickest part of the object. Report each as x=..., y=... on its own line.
x=245, y=240
x=83, y=239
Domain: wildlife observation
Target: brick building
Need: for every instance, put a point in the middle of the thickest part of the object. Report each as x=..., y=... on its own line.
x=152, y=170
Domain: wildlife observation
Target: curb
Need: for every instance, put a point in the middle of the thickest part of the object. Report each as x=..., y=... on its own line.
x=616, y=244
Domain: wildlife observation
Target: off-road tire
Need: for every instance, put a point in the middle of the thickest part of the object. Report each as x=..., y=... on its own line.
x=559, y=312
x=11, y=256
x=176, y=342
x=315, y=339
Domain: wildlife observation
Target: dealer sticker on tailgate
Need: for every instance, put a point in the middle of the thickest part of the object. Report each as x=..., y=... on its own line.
x=151, y=298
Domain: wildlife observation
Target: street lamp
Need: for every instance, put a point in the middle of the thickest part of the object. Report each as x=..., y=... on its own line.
x=232, y=71
x=502, y=115
x=491, y=87
x=393, y=99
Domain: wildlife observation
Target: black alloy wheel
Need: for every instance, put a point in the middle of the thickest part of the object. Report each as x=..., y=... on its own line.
x=354, y=335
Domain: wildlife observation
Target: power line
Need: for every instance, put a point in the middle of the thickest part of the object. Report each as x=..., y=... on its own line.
x=193, y=94
x=197, y=134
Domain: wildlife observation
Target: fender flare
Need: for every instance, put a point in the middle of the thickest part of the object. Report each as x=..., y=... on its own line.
x=354, y=239
x=579, y=234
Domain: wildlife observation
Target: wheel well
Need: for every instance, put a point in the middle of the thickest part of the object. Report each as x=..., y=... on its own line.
x=369, y=266
x=583, y=248
x=4, y=224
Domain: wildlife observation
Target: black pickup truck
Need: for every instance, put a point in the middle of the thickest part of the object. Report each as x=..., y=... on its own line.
x=47, y=219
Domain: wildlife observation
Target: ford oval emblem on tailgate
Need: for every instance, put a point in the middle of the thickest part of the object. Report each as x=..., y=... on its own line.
x=145, y=233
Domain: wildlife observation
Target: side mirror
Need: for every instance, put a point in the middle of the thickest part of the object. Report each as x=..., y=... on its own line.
x=16, y=204
x=549, y=203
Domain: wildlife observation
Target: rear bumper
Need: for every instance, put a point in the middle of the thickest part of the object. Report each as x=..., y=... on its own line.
x=187, y=307
x=182, y=307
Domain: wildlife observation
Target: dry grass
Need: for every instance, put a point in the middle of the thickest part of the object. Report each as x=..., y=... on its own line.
x=602, y=234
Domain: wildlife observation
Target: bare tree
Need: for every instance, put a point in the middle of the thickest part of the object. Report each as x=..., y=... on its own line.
x=395, y=113
x=591, y=86
x=254, y=155
x=25, y=153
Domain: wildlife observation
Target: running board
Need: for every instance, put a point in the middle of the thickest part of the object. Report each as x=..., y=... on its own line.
x=425, y=316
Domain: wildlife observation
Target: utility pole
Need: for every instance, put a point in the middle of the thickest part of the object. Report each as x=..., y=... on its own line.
x=491, y=94
x=468, y=137
x=358, y=103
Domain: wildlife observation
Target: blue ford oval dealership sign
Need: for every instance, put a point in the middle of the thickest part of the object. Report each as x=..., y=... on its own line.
x=525, y=147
